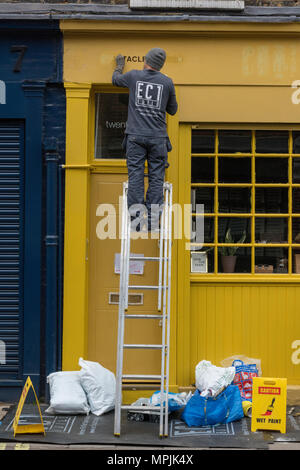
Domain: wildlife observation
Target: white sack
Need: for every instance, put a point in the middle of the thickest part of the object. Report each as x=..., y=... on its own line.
x=66, y=394
x=100, y=386
x=210, y=379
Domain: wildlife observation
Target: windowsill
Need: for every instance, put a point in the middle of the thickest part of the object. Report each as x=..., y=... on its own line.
x=109, y=165
x=109, y=161
x=239, y=278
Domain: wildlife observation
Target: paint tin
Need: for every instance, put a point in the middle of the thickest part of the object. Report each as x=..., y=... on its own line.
x=247, y=408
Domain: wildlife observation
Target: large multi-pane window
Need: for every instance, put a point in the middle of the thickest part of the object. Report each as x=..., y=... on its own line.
x=249, y=184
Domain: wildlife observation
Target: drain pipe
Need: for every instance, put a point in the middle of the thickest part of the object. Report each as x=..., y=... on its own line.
x=51, y=242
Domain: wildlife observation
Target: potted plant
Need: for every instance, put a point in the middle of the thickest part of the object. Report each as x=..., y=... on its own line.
x=228, y=256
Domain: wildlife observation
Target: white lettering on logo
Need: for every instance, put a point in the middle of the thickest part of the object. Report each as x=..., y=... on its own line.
x=148, y=94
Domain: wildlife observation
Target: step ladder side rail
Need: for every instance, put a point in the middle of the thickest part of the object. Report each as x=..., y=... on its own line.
x=163, y=350
x=119, y=369
x=160, y=257
x=127, y=255
x=168, y=306
x=166, y=236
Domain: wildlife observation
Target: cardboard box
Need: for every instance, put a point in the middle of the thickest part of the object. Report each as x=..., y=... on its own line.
x=264, y=268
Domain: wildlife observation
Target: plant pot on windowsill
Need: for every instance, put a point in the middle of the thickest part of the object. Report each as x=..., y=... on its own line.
x=228, y=256
x=228, y=263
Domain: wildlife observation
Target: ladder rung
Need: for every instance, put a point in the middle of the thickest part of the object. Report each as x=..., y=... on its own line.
x=141, y=377
x=144, y=316
x=142, y=346
x=147, y=287
x=147, y=258
x=141, y=408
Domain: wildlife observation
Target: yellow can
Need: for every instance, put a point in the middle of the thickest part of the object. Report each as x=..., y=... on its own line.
x=247, y=408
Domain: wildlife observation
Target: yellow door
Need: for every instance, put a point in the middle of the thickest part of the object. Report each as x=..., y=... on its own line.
x=104, y=288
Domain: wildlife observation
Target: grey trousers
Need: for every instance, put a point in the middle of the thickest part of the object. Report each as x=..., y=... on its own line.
x=138, y=150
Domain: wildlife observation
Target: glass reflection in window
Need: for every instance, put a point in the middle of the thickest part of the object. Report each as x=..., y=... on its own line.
x=111, y=117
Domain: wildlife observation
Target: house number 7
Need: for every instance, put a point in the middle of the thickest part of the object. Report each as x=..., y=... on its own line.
x=21, y=50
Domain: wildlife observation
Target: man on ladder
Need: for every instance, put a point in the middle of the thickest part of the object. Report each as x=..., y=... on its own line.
x=151, y=95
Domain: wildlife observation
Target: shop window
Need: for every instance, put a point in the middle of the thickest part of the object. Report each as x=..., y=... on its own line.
x=249, y=184
x=110, y=123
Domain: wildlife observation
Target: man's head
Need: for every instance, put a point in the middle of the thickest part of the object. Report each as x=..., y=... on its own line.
x=155, y=58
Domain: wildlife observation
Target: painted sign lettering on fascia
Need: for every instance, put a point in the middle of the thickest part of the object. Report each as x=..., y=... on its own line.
x=2, y=92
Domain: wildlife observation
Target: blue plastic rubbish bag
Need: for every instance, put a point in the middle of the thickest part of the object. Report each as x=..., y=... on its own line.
x=224, y=408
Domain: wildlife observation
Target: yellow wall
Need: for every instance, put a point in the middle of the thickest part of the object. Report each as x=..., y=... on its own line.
x=259, y=320
x=225, y=74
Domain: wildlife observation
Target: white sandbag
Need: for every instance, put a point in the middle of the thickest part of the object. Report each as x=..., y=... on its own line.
x=66, y=394
x=100, y=386
x=211, y=380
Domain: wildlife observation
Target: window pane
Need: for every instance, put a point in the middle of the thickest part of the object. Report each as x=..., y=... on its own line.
x=271, y=200
x=203, y=169
x=203, y=196
x=296, y=260
x=203, y=141
x=238, y=226
x=271, y=229
x=235, y=200
x=296, y=170
x=271, y=260
x=241, y=263
x=111, y=116
x=208, y=229
x=271, y=170
x=296, y=230
x=296, y=141
x=234, y=170
x=296, y=201
x=234, y=141
x=272, y=141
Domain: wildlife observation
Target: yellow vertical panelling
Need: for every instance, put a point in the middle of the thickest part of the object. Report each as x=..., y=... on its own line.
x=172, y=175
x=76, y=225
x=259, y=321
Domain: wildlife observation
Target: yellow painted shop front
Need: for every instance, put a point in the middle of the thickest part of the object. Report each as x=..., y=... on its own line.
x=235, y=157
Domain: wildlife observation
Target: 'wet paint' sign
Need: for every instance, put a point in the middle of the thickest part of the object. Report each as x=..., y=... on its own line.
x=268, y=404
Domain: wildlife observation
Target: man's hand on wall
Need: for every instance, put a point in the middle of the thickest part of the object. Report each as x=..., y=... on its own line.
x=120, y=63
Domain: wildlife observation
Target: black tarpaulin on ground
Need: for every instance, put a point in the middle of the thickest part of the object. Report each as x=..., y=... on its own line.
x=91, y=429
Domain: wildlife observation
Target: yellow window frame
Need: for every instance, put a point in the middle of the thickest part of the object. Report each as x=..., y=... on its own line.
x=253, y=185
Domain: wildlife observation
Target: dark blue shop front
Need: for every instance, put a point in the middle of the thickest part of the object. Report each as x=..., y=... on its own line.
x=32, y=142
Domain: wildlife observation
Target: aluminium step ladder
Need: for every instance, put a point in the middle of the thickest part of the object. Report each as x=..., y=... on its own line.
x=163, y=307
